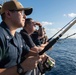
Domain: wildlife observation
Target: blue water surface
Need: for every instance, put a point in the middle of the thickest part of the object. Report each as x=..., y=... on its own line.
x=64, y=53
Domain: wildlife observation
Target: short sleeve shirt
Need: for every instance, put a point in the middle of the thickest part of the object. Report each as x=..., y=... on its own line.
x=35, y=39
x=27, y=38
x=11, y=47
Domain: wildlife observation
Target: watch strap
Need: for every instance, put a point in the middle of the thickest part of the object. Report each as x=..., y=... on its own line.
x=20, y=70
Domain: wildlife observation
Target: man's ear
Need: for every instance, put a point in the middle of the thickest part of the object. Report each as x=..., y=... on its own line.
x=7, y=13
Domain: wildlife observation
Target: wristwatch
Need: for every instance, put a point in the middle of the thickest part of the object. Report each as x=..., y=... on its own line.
x=20, y=70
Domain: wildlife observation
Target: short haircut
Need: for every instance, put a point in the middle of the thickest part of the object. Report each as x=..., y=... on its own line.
x=27, y=21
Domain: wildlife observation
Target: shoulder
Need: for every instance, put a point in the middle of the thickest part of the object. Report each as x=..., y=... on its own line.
x=1, y=33
x=24, y=34
x=2, y=40
x=18, y=34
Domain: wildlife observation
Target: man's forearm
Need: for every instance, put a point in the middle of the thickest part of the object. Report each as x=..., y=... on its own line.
x=9, y=71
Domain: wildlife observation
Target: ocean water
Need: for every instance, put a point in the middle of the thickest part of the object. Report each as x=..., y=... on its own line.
x=64, y=53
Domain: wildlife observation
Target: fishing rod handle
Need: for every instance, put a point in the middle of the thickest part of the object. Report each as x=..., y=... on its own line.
x=49, y=45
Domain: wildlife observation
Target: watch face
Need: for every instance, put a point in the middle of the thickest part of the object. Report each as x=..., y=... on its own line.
x=20, y=70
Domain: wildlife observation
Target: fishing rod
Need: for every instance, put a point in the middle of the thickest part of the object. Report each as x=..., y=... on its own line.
x=59, y=30
x=69, y=35
x=52, y=42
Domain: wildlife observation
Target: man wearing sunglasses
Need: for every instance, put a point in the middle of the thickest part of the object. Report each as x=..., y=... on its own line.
x=12, y=46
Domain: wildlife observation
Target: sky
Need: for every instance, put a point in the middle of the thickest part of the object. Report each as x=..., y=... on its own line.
x=53, y=14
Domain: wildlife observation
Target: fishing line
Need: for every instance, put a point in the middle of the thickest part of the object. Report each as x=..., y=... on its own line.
x=70, y=35
x=59, y=30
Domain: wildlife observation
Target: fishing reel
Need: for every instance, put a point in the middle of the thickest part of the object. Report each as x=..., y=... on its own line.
x=46, y=66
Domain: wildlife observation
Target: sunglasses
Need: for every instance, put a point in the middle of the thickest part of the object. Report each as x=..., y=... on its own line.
x=21, y=11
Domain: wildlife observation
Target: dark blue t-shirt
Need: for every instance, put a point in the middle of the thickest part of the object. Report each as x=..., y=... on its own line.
x=27, y=38
x=35, y=39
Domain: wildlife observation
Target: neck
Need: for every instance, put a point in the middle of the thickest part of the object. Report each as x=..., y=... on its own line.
x=11, y=28
x=13, y=32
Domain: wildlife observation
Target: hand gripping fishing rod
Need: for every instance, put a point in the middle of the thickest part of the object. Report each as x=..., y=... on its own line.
x=52, y=42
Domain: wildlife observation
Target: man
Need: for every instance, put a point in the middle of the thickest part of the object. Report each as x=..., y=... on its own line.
x=27, y=30
x=37, y=35
x=44, y=38
x=12, y=46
